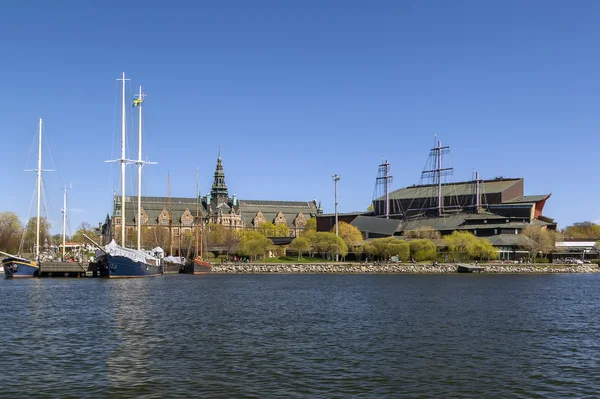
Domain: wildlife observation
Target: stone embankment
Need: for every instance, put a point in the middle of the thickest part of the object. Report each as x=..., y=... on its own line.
x=394, y=268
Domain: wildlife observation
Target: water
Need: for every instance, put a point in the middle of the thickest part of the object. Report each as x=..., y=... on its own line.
x=298, y=336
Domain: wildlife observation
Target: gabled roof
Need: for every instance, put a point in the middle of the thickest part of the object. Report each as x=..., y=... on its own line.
x=376, y=225
x=453, y=189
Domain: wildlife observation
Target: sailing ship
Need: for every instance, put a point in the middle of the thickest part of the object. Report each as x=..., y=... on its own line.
x=15, y=266
x=117, y=261
x=198, y=265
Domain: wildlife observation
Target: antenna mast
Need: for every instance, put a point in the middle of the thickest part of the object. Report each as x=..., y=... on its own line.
x=384, y=178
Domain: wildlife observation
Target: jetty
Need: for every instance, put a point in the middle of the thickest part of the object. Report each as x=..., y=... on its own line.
x=467, y=268
x=63, y=269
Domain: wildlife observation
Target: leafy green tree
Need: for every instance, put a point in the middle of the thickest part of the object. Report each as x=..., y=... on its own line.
x=11, y=230
x=328, y=245
x=350, y=234
x=484, y=250
x=422, y=249
x=30, y=234
x=311, y=226
x=300, y=245
x=269, y=229
x=385, y=248
x=461, y=244
x=253, y=244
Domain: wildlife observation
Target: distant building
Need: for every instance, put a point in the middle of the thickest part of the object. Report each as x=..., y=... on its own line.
x=497, y=209
x=217, y=207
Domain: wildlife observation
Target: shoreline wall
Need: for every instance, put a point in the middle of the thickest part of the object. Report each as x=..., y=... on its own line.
x=394, y=268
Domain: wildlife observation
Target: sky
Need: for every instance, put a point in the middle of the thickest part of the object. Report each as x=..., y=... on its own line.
x=294, y=92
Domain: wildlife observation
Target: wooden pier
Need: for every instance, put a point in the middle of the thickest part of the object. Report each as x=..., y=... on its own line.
x=466, y=268
x=63, y=269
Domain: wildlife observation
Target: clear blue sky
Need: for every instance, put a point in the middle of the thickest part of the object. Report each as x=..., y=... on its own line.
x=294, y=92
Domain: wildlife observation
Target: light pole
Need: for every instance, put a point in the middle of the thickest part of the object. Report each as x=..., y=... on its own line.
x=336, y=178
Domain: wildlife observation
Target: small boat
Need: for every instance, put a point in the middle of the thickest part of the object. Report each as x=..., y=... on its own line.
x=198, y=265
x=173, y=264
x=16, y=266
x=117, y=261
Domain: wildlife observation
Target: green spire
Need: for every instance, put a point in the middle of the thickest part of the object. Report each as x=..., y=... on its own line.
x=219, y=188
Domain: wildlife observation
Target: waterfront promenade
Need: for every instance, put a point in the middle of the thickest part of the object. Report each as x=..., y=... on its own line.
x=397, y=268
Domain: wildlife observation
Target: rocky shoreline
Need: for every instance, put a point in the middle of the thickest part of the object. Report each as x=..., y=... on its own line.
x=394, y=268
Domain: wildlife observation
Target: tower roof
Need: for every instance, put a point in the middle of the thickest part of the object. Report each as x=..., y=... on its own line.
x=219, y=188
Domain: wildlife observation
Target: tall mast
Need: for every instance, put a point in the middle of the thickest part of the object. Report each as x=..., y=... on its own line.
x=64, y=212
x=123, y=162
x=477, y=196
x=439, y=177
x=170, y=216
x=197, y=220
x=139, y=199
x=39, y=190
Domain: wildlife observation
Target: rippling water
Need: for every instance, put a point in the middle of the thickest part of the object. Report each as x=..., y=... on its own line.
x=318, y=336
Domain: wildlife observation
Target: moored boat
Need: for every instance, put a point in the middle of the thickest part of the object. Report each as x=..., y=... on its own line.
x=118, y=261
x=115, y=261
x=198, y=266
x=173, y=264
x=16, y=267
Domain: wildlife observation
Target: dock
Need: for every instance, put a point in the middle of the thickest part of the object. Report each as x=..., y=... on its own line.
x=63, y=269
x=467, y=268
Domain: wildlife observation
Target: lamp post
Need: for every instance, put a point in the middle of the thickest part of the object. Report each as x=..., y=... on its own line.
x=336, y=178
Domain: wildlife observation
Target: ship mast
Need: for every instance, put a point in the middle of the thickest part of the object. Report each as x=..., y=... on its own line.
x=197, y=220
x=123, y=162
x=39, y=189
x=170, y=216
x=64, y=212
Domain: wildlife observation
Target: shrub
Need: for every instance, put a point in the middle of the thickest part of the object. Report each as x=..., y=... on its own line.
x=541, y=260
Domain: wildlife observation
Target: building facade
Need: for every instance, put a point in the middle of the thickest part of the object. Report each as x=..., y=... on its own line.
x=181, y=216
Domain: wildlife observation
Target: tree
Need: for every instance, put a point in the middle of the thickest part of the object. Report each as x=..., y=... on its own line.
x=30, y=234
x=484, y=250
x=11, y=230
x=254, y=244
x=86, y=228
x=350, y=234
x=541, y=240
x=156, y=236
x=215, y=234
x=328, y=245
x=269, y=229
x=461, y=243
x=582, y=230
x=422, y=249
x=423, y=232
x=231, y=241
x=385, y=248
x=311, y=226
x=300, y=245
